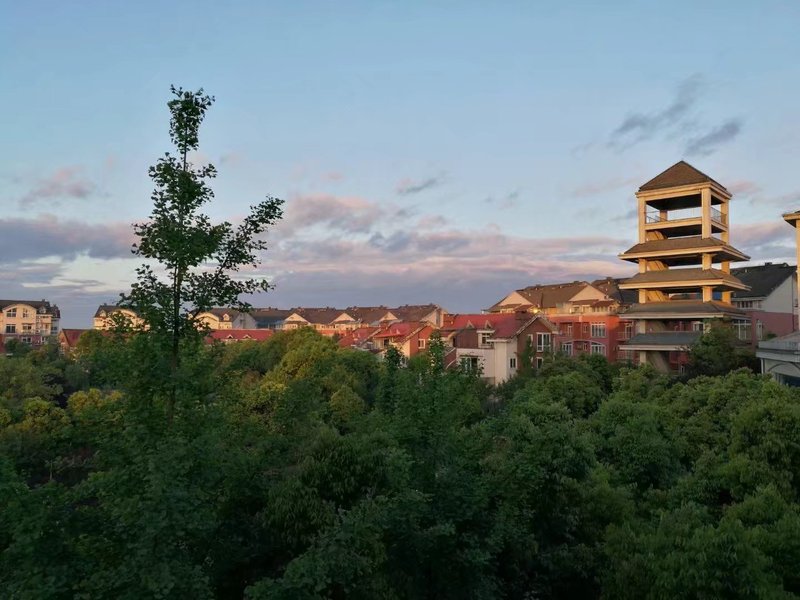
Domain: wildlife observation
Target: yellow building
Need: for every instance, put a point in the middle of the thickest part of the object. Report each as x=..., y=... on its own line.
x=106, y=314
x=684, y=258
x=30, y=321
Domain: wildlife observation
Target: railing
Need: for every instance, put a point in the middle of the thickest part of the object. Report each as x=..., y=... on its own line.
x=716, y=215
x=785, y=346
x=655, y=216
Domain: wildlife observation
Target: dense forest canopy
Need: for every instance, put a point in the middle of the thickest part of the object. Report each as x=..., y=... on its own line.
x=151, y=465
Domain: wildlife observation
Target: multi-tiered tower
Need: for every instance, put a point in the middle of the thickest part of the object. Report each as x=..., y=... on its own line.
x=683, y=233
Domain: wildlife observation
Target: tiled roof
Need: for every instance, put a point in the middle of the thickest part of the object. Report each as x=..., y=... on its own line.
x=413, y=312
x=684, y=307
x=672, y=275
x=50, y=309
x=71, y=336
x=762, y=279
x=110, y=308
x=402, y=329
x=357, y=336
x=681, y=173
x=681, y=243
x=503, y=325
x=318, y=316
x=367, y=314
x=610, y=287
x=550, y=296
x=221, y=312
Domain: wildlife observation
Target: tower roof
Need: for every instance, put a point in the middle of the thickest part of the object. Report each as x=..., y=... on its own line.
x=681, y=173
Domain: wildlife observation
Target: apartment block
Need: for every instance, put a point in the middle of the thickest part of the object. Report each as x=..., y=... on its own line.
x=33, y=322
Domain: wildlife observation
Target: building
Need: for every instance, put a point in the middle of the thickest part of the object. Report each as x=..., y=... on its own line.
x=228, y=336
x=770, y=303
x=409, y=337
x=494, y=343
x=269, y=318
x=68, y=339
x=683, y=219
x=33, y=322
x=226, y=318
x=587, y=315
x=106, y=316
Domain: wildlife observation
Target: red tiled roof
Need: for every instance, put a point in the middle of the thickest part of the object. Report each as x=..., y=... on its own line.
x=503, y=325
x=71, y=336
x=357, y=336
x=400, y=329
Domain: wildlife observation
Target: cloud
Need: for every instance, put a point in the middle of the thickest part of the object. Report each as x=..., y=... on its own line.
x=639, y=126
x=593, y=188
x=785, y=202
x=345, y=214
x=677, y=121
x=408, y=187
x=708, y=142
x=504, y=202
x=743, y=187
x=47, y=235
x=765, y=240
x=64, y=183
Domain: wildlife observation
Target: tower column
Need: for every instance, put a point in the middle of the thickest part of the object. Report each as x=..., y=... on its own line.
x=705, y=199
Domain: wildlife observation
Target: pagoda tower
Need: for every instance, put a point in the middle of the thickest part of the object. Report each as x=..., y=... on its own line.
x=684, y=258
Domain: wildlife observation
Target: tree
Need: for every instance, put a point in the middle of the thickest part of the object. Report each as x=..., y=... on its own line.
x=198, y=259
x=719, y=352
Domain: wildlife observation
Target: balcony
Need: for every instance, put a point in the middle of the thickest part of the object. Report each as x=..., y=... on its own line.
x=684, y=222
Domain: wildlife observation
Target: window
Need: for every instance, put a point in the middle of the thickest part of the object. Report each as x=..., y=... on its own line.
x=544, y=342
x=469, y=363
x=698, y=326
x=484, y=339
x=512, y=363
x=26, y=340
x=625, y=355
x=566, y=348
x=568, y=329
x=742, y=329
x=27, y=327
x=421, y=344
x=25, y=313
x=585, y=330
x=539, y=362
x=11, y=313
x=598, y=348
x=759, y=330
x=598, y=330
x=11, y=329
x=627, y=330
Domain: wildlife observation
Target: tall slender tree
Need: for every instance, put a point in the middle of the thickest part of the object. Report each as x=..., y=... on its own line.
x=193, y=264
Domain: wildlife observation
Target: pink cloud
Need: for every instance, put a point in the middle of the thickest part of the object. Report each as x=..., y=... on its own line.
x=66, y=182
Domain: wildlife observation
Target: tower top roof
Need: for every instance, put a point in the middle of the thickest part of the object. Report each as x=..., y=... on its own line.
x=681, y=173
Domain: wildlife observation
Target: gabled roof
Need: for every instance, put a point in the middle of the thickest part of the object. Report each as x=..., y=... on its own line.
x=357, y=336
x=610, y=287
x=220, y=312
x=502, y=325
x=71, y=336
x=762, y=279
x=413, y=312
x=550, y=296
x=50, y=309
x=110, y=308
x=402, y=330
x=257, y=335
x=681, y=173
x=367, y=314
x=317, y=316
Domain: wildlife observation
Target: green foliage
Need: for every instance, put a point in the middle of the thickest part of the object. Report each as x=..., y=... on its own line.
x=719, y=351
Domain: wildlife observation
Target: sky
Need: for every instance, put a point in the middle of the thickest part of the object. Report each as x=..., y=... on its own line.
x=427, y=151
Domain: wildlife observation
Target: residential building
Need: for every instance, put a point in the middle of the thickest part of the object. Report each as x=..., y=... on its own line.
x=226, y=318
x=269, y=318
x=409, y=337
x=32, y=322
x=317, y=318
x=359, y=338
x=106, y=315
x=770, y=303
x=228, y=336
x=587, y=315
x=494, y=343
x=68, y=339
x=683, y=218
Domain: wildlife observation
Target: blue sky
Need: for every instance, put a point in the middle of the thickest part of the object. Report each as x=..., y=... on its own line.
x=427, y=151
